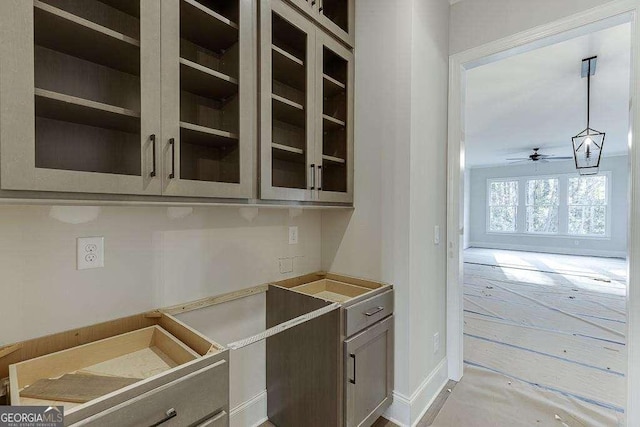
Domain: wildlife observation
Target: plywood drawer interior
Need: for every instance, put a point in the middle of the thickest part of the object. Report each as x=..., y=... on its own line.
x=72, y=376
x=331, y=290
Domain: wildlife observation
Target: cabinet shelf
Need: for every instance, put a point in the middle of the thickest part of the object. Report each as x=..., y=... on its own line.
x=332, y=86
x=288, y=69
x=206, y=82
x=287, y=153
x=288, y=111
x=333, y=159
x=206, y=28
x=201, y=135
x=331, y=123
x=68, y=108
x=62, y=31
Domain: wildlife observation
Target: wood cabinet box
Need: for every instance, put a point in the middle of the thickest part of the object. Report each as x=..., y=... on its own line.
x=337, y=369
x=126, y=361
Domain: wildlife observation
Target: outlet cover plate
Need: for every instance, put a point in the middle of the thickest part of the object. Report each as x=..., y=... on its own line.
x=90, y=252
x=293, y=235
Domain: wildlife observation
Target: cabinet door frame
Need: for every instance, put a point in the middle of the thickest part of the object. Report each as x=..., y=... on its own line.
x=177, y=186
x=351, y=346
x=312, y=9
x=18, y=170
x=322, y=40
x=267, y=190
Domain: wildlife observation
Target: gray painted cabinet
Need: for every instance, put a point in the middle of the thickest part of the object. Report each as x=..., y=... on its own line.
x=306, y=109
x=140, y=97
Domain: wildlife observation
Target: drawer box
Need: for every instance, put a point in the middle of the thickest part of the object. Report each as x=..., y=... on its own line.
x=133, y=356
x=189, y=400
x=368, y=312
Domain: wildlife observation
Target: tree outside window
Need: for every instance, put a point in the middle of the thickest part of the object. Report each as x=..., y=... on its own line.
x=587, y=202
x=542, y=205
x=503, y=206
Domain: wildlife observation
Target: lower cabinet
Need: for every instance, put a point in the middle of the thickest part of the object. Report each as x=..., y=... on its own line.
x=368, y=358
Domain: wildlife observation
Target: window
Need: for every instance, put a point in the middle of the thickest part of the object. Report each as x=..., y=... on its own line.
x=587, y=202
x=503, y=206
x=542, y=205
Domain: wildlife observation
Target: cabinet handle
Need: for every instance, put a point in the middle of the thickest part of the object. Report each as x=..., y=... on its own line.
x=153, y=146
x=313, y=177
x=353, y=381
x=172, y=142
x=374, y=311
x=171, y=413
x=320, y=177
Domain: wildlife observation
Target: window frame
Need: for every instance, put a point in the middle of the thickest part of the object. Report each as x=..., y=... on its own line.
x=563, y=207
x=488, y=205
x=607, y=206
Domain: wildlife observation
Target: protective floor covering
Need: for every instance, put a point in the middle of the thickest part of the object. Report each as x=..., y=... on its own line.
x=552, y=325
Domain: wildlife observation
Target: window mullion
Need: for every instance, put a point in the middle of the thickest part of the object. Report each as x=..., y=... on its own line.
x=563, y=207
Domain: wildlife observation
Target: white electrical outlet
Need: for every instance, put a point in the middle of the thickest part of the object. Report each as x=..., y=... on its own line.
x=436, y=343
x=436, y=235
x=90, y=252
x=293, y=235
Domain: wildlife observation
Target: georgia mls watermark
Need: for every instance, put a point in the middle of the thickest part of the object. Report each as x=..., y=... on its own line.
x=31, y=416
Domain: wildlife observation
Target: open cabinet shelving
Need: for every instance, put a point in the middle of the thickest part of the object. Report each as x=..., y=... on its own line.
x=306, y=109
x=84, y=109
x=207, y=122
x=79, y=111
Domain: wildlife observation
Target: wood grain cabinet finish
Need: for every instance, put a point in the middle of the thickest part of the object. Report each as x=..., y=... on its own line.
x=139, y=97
x=198, y=398
x=368, y=358
x=306, y=109
x=79, y=104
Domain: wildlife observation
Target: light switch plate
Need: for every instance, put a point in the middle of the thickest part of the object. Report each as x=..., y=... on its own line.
x=436, y=235
x=293, y=235
x=436, y=343
x=90, y=252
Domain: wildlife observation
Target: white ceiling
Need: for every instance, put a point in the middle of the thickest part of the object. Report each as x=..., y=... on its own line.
x=538, y=99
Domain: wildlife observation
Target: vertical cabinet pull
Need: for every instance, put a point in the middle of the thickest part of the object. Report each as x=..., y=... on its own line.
x=353, y=356
x=153, y=147
x=172, y=142
x=171, y=413
x=313, y=177
x=320, y=177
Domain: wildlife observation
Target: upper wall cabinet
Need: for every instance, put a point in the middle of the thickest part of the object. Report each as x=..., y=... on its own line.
x=335, y=16
x=306, y=110
x=79, y=104
x=208, y=98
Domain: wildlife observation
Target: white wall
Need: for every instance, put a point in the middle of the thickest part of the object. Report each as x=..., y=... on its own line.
x=615, y=245
x=477, y=22
x=151, y=261
x=400, y=184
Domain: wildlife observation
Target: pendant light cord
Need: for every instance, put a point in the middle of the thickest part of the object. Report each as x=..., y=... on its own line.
x=588, y=94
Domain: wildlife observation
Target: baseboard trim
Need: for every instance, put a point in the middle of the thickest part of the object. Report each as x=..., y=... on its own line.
x=252, y=413
x=550, y=250
x=407, y=411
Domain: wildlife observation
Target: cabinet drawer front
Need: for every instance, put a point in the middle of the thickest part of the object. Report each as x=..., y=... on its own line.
x=368, y=312
x=182, y=402
x=220, y=420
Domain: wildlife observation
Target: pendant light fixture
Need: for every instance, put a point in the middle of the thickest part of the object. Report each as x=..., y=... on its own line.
x=587, y=145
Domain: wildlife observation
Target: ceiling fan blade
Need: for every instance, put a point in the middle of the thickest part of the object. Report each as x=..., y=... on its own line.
x=519, y=158
x=519, y=162
x=559, y=158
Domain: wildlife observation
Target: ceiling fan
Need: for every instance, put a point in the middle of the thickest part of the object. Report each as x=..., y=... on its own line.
x=537, y=157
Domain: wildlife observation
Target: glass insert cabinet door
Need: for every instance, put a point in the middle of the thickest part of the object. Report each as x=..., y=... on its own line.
x=334, y=16
x=334, y=118
x=288, y=57
x=80, y=106
x=207, y=105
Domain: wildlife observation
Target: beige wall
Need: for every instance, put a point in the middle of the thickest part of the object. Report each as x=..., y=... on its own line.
x=151, y=261
x=477, y=22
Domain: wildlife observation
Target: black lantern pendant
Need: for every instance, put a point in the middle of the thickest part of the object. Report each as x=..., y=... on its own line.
x=587, y=145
